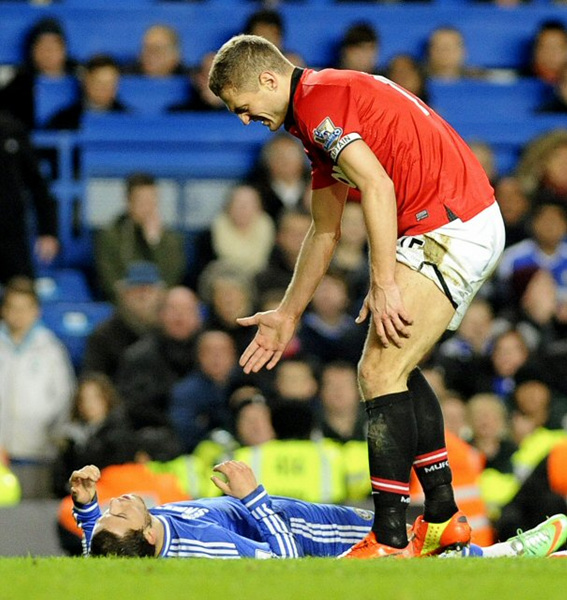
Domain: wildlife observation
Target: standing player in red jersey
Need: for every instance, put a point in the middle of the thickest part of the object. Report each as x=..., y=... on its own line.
x=434, y=232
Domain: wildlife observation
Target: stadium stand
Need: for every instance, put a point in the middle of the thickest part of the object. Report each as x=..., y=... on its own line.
x=152, y=96
x=57, y=285
x=507, y=136
x=195, y=145
x=495, y=36
x=141, y=95
x=73, y=322
x=207, y=150
x=189, y=145
x=51, y=95
x=472, y=99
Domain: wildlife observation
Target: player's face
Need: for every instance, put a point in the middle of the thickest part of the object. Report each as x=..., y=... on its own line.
x=265, y=105
x=124, y=513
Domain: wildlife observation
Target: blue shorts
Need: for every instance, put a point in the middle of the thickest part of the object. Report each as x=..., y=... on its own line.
x=324, y=529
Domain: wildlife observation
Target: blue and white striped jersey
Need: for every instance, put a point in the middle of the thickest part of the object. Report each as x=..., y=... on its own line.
x=257, y=526
x=527, y=253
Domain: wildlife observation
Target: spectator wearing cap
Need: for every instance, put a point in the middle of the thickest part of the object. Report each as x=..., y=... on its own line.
x=139, y=297
x=45, y=53
x=99, y=83
x=151, y=366
x=139, y=234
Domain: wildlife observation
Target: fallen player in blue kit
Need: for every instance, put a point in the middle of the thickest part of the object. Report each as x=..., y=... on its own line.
x=249, y=523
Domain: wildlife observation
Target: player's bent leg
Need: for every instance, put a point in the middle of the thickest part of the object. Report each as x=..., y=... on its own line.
x=386, y=370
x=393, y=430
x=431, y=463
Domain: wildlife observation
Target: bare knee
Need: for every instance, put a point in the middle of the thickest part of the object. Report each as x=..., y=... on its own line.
x=378, y=376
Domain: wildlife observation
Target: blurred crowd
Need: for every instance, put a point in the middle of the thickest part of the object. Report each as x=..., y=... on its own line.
x=159, y=390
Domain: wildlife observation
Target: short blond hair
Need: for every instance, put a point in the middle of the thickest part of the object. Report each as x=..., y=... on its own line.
x=240, y=61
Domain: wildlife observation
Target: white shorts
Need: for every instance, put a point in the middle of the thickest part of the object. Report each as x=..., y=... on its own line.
x=458, y=257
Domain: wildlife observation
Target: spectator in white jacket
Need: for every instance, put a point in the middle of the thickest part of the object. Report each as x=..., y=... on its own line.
x=36, y=386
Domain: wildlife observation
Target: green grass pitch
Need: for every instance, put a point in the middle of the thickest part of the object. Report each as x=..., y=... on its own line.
x=326, y=579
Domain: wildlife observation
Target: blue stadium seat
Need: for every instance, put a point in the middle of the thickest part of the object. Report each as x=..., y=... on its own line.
x=507, y=137
x=183, y=146
x=51, y=95
x=215, y=146
x=201, y=28
x=474, y=99
x=109, y=5
x=73, y=322
x=75, y=238
x=63, y=285
x=16, y=19
x=146, y=95
x=495, y=36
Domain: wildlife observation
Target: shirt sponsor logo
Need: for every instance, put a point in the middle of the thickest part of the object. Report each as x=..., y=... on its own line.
x=327, y=134
x=194, y=513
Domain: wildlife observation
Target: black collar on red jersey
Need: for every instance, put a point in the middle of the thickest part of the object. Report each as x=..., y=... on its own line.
x=289, y=121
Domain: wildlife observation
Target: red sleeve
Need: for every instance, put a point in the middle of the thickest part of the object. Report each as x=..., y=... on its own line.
x=328, y=119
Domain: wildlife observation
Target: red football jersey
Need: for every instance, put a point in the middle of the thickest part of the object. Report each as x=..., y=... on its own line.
x=436, y=175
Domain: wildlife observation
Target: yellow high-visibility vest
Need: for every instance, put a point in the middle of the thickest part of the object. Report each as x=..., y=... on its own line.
x=303, y=469
x=10, y=490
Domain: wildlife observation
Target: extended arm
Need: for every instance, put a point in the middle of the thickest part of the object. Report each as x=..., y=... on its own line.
x=383, y=302
x=241, y=483
x=317, y=250
x=276, y=328
x=273, y=525
x=85, y=505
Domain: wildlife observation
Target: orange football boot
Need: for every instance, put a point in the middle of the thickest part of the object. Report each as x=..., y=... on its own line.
x=428, y=539
x=370, y=547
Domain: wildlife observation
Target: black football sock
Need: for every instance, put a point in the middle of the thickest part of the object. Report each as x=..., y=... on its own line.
x=392, y=436
x=431, y=461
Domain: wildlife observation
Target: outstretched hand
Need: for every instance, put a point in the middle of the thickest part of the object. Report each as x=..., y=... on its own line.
x=240, y=479
x=275, y=331
x=83, y=484
x=390, y=317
